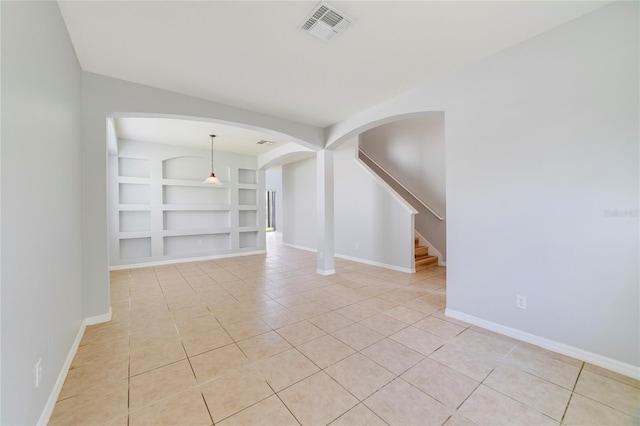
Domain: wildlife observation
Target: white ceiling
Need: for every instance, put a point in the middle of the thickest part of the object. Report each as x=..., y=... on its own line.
x=251, y=54
x=195, y=134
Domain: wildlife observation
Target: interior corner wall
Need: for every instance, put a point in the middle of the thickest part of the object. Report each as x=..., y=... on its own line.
x=543, y=188
x=42, y=310
x=299, y=204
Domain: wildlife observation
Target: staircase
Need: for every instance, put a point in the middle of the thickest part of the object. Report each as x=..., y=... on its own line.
x=423, y=260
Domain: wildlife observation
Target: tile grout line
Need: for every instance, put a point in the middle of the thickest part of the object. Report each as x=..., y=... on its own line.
x=197, y=384
x=129, y=364
x=207, y=407
x=573, y=392
x=566, y=408
x=479, y=382
x=283, y=403
x=355, y=303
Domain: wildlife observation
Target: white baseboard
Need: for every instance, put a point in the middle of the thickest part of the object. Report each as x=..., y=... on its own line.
x=628, y=370
x=312, y=250
x=186, y=260
x=318, y=271
x=62, y=376
x=64, y=370
x=98, y=319
x=356, y=259
x=374, y=263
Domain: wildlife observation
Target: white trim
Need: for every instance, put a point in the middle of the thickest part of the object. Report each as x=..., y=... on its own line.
x=62, y=376
x=318, y=271
x=276, y=156
x=432, y=250
x=356, y=259
x=186, y=260
x=300, y=247
x=98, y=319
x=399, y=183
x=374, y=263
x=628, y=370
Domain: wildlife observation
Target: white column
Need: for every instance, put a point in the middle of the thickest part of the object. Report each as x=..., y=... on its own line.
x=156, y=205
x=324, y=203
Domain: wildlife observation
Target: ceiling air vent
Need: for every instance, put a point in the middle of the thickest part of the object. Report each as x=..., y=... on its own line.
x=325, y=22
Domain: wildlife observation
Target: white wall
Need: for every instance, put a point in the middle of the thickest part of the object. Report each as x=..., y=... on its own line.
x=273, y=181
x=104, y=97
x=41, y=204
x=161, y=212
x=413, y=151
x=299, y=204
x=371, y=225
x=542, y=141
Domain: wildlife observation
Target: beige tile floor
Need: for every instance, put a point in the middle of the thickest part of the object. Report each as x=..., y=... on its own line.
x=263, y=340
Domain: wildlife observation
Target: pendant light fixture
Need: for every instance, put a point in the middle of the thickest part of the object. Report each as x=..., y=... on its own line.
x=212, y=180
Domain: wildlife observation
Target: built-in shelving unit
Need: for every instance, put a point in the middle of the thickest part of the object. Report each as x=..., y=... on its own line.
x=162, y=212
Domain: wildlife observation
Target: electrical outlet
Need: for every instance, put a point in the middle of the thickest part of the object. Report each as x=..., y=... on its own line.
x=38, y=372
x=199, y=242
x=521, y=302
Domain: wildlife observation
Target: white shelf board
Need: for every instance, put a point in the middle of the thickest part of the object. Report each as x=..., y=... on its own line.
x=185, y=182
x=196, y=207
x=248, y=229
x=135, y=234
x=201, y=231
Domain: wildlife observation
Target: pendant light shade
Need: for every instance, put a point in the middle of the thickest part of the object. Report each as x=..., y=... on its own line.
x=212, y=179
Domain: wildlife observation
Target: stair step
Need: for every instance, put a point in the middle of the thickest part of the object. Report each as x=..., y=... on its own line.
x=416, y=241
x=424, y=262
x=425, y=256
x=421, y=251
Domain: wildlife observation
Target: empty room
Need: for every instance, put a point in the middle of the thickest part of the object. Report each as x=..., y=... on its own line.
x=314, y=213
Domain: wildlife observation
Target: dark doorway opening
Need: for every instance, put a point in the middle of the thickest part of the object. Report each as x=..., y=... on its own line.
x=271, y=210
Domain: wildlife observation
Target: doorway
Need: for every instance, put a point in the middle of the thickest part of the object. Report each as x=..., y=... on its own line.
x=271, y=210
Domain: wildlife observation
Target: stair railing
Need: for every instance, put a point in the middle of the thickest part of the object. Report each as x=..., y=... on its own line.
x=433, y=212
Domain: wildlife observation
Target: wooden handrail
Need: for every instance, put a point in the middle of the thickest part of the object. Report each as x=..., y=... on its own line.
x=360, y=151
